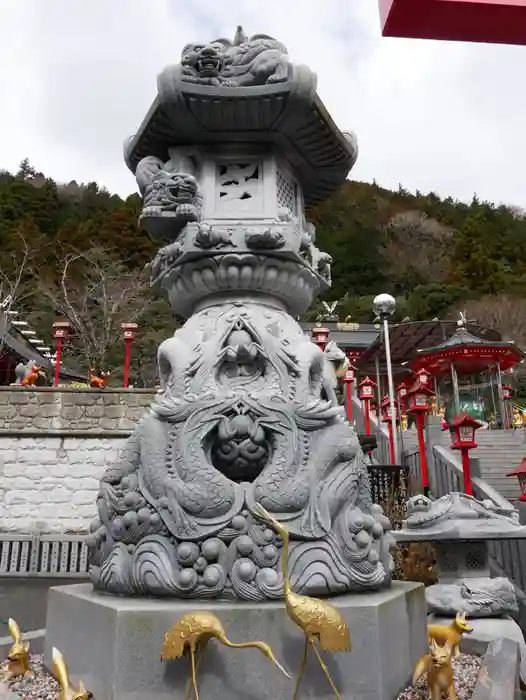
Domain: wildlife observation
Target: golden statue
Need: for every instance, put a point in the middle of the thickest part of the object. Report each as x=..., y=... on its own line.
x=61, y=673
x=403, y=421
x=18, y=656
x=450, y=634
x=320, y=621
x=437, y=666
x=194, y=630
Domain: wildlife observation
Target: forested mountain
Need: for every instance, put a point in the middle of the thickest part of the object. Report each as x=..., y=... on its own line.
x=75, y=251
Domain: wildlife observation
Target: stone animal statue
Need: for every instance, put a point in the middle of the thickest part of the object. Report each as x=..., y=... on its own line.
x=98, y=381
x=257, y=60
x=320, y=621
x=18, y=655
x=193, y=632
x=170, y=188
x=61, y=673
x=436, y=665
x=450, y=634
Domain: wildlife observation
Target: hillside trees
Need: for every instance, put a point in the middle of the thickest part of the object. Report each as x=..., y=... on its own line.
x=435, y=255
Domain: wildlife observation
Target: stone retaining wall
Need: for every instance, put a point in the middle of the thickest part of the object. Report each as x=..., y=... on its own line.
x=54, y=446
x=72, y=409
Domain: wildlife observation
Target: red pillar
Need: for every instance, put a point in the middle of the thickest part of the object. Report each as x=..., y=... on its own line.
x=57, y=365
x=348, y=400
x=420, y=421
x=391, y=443
x=127, y=356
x=367, y=416
x=466, y=468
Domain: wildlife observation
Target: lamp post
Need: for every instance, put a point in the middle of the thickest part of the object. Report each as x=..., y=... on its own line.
x=387, y=418
x=462, y=429
x=417, y=402
x=128, y=333
x=321, y=337
x=384, y=306
x=520, y=473
x=366, y=393
x=60, y=331
x=350, y=376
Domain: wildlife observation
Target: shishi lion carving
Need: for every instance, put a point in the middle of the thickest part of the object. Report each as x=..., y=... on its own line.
x=257, y=60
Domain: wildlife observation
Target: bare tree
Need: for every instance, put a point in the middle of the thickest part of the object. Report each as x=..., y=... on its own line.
x=15, y=278
x=95, y=292
x=417, y=248
x=505, y=313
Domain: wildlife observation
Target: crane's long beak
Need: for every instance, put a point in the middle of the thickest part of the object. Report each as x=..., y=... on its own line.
x=277, y=663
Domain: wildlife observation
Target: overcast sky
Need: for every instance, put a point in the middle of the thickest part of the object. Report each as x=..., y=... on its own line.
x=77, y=77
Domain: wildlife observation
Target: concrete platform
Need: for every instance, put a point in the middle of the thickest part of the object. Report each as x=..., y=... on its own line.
x=114, y=645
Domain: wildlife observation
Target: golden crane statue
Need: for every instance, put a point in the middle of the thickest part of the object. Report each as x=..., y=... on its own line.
x=61, y=673
x=320, y=621
x=194, y=630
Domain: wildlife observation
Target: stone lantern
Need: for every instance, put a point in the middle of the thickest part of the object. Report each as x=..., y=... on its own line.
x=462, y=430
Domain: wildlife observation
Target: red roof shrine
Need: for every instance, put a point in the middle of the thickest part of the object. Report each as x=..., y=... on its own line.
x=468, y=353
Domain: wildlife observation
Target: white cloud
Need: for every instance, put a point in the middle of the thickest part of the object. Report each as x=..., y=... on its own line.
x=77, y=78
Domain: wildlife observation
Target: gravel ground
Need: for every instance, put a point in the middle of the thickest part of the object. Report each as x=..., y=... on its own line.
x=42, y=686
x=465, y=671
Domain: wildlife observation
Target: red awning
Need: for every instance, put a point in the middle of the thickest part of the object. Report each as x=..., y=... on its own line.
x=485, y=21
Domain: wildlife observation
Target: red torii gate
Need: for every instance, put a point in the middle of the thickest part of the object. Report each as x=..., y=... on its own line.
x=485, y=21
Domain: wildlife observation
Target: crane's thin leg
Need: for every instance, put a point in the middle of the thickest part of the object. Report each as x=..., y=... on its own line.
x=189, y=685
x=194, y=678
x=302, y=668
x=325, y=669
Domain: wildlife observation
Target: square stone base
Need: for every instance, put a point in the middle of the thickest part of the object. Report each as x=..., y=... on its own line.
x=114, y=644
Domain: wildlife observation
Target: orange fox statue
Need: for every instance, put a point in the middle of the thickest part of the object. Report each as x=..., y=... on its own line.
x=96, y=381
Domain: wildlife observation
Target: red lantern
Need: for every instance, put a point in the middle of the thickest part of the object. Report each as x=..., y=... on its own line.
x=128, y=333
x=423, y=376
x=387, y=418
x=350, y=376
x=417, y=402
x=366, y=392
x=386, y=410
x=520, y=473
x=417, y=398
x=507, y=391
x=60, y=332
x=462, y=430
x=321, y=337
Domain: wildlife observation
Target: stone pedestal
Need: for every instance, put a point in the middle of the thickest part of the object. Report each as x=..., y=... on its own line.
x=114, y=645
